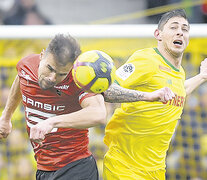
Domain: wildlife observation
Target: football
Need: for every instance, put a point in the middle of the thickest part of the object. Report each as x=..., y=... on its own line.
x=94, y=71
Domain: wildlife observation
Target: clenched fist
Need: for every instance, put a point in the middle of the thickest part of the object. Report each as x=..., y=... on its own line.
x=163, y=95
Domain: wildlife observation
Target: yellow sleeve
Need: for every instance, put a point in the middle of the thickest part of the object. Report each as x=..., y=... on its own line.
x=135, y=72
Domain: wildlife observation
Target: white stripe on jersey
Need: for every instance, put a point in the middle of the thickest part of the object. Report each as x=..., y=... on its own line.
x=36, y=119
x=82, y=95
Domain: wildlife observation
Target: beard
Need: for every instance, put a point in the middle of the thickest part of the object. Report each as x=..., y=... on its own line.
x=45, y=84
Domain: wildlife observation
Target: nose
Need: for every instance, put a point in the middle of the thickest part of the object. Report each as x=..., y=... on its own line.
x=52, y=77
x=179, y=31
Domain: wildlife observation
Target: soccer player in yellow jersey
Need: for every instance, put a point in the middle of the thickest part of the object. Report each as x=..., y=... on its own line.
x=139, y=133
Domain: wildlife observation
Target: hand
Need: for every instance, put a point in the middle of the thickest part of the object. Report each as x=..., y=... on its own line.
x=38, y=131
x=203, y=69
x=163, y=95
x=5, y=127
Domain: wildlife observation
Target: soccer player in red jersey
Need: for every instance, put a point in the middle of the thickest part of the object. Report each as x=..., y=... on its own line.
x=45, y=85
x=58, y=113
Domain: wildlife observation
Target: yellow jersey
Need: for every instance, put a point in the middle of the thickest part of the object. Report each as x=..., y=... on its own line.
x=139, y=133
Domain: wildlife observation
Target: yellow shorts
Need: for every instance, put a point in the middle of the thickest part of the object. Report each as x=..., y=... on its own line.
x=116, y=170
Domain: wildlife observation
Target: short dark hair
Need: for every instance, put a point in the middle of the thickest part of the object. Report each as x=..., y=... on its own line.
x=168, y=15
x=64, y=48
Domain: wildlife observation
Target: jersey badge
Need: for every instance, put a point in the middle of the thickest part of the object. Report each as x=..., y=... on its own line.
x=125, y=71
x=169, y=81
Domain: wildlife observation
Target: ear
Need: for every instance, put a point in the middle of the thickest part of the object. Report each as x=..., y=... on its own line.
x=157, y=35
x=41, y=54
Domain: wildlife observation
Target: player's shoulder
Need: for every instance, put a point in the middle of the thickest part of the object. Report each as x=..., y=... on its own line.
x=30, y=60
x=138, y=63
x=27, y=67
x=144, y=58
x=33, y=58
x=146, y=54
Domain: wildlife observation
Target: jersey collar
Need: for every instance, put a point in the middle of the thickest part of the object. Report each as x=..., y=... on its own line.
x=173, y=67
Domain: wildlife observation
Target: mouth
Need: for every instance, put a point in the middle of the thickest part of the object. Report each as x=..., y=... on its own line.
x=178, y=42
x=49, y=84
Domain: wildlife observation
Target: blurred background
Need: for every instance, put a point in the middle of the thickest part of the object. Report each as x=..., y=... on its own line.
x=187, y=155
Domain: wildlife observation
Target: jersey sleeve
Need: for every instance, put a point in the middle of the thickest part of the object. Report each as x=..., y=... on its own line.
x=21, y=68
x=19, y=65
x=28, y=64
x=84, y=95
x=135, y=72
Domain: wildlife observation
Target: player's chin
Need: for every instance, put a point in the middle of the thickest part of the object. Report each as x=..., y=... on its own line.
x=178, y=52
x=44, y=85
x=179, y=49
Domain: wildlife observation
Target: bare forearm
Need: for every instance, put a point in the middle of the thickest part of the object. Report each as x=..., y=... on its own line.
x=192, y=83
x=85, y=118
x=118, y=94
x=13, y=99
x=93, y=113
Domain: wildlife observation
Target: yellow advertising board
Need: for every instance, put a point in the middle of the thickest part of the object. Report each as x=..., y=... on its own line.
x=118, y=48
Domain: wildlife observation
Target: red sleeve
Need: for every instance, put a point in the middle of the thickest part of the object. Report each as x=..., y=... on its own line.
x=84, y=95
x=18, y=66
x=30, y=62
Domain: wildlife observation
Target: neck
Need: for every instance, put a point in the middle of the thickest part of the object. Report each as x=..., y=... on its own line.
x=174, y=59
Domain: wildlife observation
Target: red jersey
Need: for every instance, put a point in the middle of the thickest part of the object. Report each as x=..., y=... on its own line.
x=62, y=145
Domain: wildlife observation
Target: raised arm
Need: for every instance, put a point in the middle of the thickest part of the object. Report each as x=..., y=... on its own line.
x=13, y=101
x=93, y=113
x=192, y=83
x=118, y=94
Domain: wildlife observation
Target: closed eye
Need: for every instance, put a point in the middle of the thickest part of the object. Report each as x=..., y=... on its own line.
x=185, y=29
x=65, y=74
x=172, y=27
x=50, y=68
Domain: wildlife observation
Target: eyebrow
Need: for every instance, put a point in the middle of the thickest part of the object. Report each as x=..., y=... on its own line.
x=187, y=25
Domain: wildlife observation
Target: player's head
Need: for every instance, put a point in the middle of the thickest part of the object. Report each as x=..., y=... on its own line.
x=173, y=32
x=57, y=60
x=171, y=14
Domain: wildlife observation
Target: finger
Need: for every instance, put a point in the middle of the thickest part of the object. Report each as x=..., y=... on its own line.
x=3, y=135
x=38, y=141
x=41, y=136
x=34, y=132
x=162, y=97
x=170, y=94
x=164, y=94
x=167, y=97
x=205, y=60
x=37, y=136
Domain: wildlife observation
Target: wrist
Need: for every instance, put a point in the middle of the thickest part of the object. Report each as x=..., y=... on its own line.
x=51, y=122
x=202, y=77
x=146, y=96
x=6, y=116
